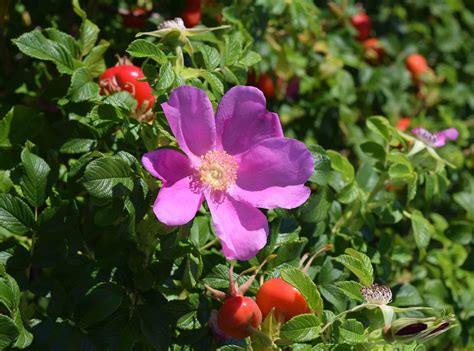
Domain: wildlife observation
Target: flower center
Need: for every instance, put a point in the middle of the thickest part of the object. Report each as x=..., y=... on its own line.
x=218, y=170
x=377, y=294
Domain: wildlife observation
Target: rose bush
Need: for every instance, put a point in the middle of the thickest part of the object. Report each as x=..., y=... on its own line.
x=354, y=193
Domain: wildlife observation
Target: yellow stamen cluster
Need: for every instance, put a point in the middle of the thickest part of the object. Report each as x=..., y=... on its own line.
x=218, y=170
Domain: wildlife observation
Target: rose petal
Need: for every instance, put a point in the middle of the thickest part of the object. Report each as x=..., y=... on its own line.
x=177, y=204
x=167, y=164
x=191, y=118
x=450, y=133
x=241, y=228
x=242, y=120
x=272, y=173
x=440, y=140
x=290, y=196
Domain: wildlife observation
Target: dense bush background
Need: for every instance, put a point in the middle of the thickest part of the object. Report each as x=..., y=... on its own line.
x=85, y=264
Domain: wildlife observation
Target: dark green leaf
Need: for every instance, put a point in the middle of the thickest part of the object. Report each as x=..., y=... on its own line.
x=36, y=45
x=35, y=178
x=8, y=332
x=15, y=215
x=99, y=303
x=107, y=177
x=82, y=86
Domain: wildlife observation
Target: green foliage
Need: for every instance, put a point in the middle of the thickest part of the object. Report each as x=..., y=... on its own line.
x=84, y=264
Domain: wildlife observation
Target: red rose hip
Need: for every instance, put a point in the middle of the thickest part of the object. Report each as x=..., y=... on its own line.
x=237, y=314
x=128, y=77
x=373, y=50
x=363, y=24
x=284, y=297
x=417, y=66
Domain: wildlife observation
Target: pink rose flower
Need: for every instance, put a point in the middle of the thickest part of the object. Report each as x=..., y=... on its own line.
x=237, y=161
x=436, y=139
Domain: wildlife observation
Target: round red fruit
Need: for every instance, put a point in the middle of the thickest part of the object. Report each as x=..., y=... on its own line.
x=363, y=24
x=403, y=123
x=191, y=18
x=283, y=297
x=135, y=18
x=417, y=65
x=237, y=314
x=373, y=49
x=128, y=78
x=265, y=84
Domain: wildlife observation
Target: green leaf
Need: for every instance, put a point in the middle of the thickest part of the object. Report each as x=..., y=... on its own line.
x=322, y=165
x=374, y=150
x=107, y=177
x=78, y=146
x=359, y=264
x=78, y=9
x=36, y=45
x=167, y=76
x=65, y=39
x=342, y=165
x=143, y=48
x=193, y=266
x=9, y=293
x=94, y=61
x=380, y=126
x=232, y=49
x=316, y=209
x=82, y=86
x=25, y=338
x=200, y=231
x=408, y=295
x=155, y=327
x=352, y=331
x=423, y=230
x=8, y=332
x=306, y=287
x=349, y=193
x=35, y=178
x=210, y=55
x=20, y=124
x=351, y=289
x=231, y=348
x=88, y=34
x=15, y=215
x=400, y=171
x=216, y=84
x=304, y=327
x=251, y=58
x=99, y=303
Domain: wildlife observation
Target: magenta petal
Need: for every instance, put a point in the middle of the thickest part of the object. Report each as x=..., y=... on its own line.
x=241, y=228
x=290, y=196
x=242, y=120
x=167, y=164
x=450, y=133
x=191, y=118
x=271, y=170
x=177, y=204
x=440, y=140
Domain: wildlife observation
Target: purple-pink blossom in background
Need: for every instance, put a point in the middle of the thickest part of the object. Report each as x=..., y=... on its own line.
x=238, y=160
x=437, y=139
